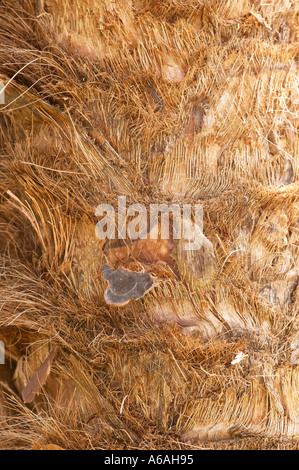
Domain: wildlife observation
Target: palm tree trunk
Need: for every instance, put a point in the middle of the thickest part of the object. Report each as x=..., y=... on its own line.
x=163, y=102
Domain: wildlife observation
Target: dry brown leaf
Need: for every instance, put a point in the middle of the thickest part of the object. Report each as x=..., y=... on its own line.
x=38, y=379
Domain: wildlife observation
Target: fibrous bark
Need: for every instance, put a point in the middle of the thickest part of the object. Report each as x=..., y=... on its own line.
x=162, y=102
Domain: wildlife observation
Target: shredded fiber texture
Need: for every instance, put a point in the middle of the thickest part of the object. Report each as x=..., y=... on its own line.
x=162, y=102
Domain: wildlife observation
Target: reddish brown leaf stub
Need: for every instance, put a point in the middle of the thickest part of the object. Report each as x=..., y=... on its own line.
x=151, y=253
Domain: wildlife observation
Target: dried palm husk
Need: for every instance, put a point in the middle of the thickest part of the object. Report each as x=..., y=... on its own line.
x=160, y=102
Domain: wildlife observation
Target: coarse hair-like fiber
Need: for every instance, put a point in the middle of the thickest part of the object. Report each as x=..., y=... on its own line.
x=162, y=102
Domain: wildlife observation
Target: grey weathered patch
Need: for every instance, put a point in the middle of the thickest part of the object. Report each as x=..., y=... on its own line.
x=125, y=285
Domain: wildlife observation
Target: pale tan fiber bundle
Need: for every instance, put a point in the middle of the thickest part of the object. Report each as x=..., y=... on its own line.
x=158, y=101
